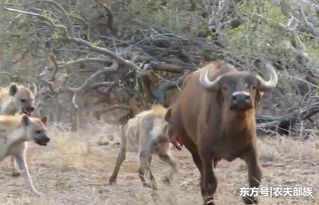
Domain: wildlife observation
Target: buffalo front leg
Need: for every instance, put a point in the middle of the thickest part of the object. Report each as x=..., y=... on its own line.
x=208, y=180
x=196, y=159
x=254, y=172
x=192, y=148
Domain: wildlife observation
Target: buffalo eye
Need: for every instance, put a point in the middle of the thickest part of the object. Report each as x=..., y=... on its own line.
x=23, y=100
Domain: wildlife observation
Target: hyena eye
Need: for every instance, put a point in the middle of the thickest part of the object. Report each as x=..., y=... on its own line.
x=23, y=100
x=38, y=131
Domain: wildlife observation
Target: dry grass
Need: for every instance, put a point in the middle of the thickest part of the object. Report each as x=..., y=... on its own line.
x=75, y=167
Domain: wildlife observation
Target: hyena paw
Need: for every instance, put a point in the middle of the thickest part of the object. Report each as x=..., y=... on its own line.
x=167, y=180
x=15, y=174
x=36, y=193
x=150, y=185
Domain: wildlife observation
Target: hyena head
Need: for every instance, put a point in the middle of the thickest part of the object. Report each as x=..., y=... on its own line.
x=35, y=129
x=23, y=98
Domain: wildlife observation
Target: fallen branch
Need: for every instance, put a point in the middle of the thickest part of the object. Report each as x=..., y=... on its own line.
x=85, y=60
x=284, y=124
x=162, y=66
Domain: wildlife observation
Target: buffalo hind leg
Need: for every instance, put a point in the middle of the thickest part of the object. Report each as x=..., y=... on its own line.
x=254, y=172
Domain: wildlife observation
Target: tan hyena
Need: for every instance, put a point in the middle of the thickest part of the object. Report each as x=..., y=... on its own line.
x=145, y=134
x=14, y=99
x=15, y=131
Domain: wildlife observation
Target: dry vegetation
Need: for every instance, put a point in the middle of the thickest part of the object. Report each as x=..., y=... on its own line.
x=74, y=169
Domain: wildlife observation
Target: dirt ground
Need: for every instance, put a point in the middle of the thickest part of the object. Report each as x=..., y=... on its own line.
x=74, y=169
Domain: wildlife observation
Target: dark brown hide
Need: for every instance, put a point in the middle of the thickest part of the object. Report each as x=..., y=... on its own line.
x=217, y=120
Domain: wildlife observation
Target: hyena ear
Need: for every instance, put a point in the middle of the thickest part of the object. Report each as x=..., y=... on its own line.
x=44, y=120
x=13, y=89
x=25, y=120
x=168, y=114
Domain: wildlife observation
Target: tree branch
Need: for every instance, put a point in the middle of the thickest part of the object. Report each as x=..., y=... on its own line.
x=84, y=60
x=55, y=65
x=159, y=94
x=162, y=66
x=92, y=77
x=79, y=41
x=59, y=7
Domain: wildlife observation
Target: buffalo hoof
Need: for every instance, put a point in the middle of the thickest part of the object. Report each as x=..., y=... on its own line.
x=112, y=180
x=250, y=200
x=209, y=201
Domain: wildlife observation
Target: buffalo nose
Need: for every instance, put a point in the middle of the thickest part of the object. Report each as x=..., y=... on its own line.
x=46, y=139
x=241, y=97
x=241, y=100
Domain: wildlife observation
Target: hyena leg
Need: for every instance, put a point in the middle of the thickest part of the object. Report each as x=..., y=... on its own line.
x=25, y=173
x=254, y=172
x=167, y=158
x=151, y=176
x=15, y=170
x=144, y=158
x=120, y=158
x=119, y=161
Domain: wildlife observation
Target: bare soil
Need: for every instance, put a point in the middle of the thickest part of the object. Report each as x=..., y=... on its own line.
x=74, y=169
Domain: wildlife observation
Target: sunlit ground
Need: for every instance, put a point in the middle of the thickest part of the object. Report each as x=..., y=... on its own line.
x=74, y=169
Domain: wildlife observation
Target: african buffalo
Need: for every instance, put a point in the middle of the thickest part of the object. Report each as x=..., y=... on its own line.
x=214, y=117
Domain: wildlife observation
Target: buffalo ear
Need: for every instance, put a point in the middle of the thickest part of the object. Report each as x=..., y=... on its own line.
x=13, y=89
x=25, y=120
x=168, y=114
x=44, y=120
